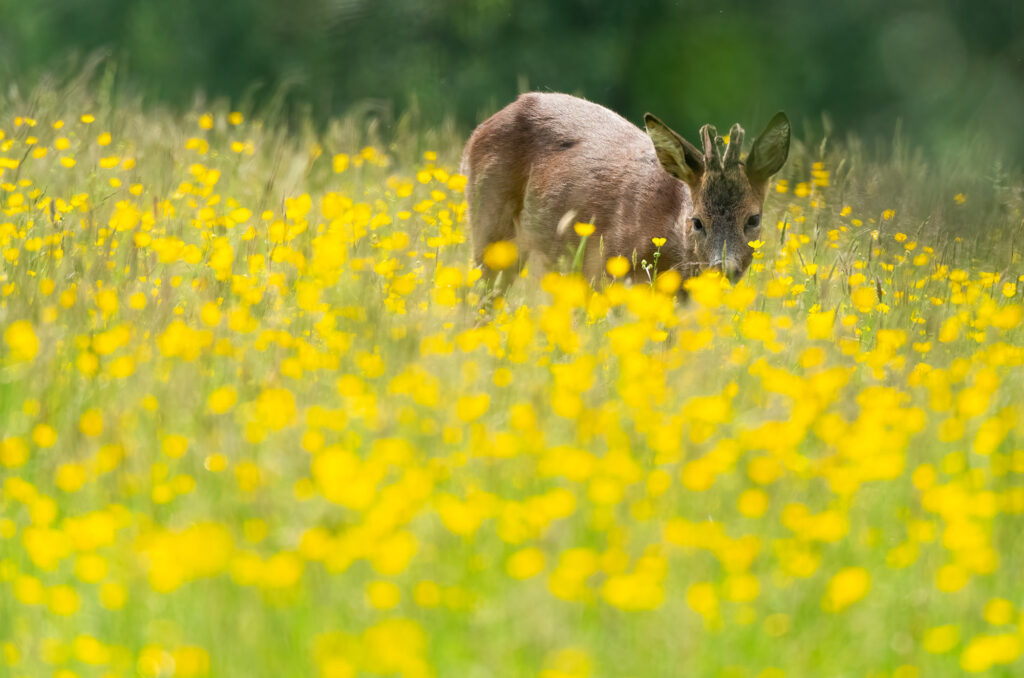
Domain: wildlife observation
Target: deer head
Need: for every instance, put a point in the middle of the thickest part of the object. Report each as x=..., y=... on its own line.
x=727, y=192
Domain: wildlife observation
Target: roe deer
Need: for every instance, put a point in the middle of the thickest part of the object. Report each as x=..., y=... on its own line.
x=546, y=161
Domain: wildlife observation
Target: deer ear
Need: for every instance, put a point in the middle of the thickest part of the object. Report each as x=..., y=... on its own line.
x=770, y=151
x=678, y=156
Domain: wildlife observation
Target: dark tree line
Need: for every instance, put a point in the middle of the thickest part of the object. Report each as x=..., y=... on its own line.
x=944, y=68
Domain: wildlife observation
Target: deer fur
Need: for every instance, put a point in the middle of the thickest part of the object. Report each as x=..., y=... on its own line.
x=547, y=161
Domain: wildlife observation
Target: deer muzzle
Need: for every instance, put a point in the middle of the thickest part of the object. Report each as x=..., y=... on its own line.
x=728, y=265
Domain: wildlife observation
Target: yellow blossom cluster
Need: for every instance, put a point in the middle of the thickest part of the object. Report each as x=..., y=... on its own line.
x=259, y=417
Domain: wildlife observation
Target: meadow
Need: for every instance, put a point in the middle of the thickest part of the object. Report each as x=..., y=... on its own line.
x=253, y=421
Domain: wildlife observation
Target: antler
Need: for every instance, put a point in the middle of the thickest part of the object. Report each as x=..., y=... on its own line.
x=712, y=154
x=732, y=151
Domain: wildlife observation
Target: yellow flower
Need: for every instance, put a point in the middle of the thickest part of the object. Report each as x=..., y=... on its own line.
x=820, y=323
x=846, y=587
x=44, y=435
x=191, y=661
x=702, y=599
x=864, y=298
x=22, y=341
x=1008, y=317
x=742, y=588
x=13, y=452
x=658, y=242
x=339, y=163
x=457, y=182
x=222, y=399
x=210, y=314
x=276, y=408
x=999, y=611
x=668, y=282
x=126, y=216
x=941, y=639
x=282, y=570
x=91, y=568
x=383, y=595
x=706, y=289
x=950, y=329
x=985, y=651
x=70, y=477
x=427, y=594
x=89, y=650
x=106, y=301
x=28, y=590
x=525, y=563
x=502, y=377
x=470, y=408
x=617, y=266
x=583, y=229
x=174, y=446
x=500, y=255
x=215, y=462
x=91, y=423
x=570, y=662
x=206, y=121
x=394, y=553
x=634, y=591
x=62, y=601
x=753, y=503
x=341, y=478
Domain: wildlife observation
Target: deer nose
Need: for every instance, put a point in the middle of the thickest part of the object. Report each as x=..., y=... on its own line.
x=732, y=271
x=728, y=267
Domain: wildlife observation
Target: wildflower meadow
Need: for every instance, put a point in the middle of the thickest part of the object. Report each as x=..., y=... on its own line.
x=257, y=418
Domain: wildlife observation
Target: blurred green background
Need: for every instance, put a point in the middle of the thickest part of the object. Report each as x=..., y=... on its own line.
x=941, y=73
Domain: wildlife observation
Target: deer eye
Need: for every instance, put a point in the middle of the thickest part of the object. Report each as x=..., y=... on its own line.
x=754, y=221
x=698, y=225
